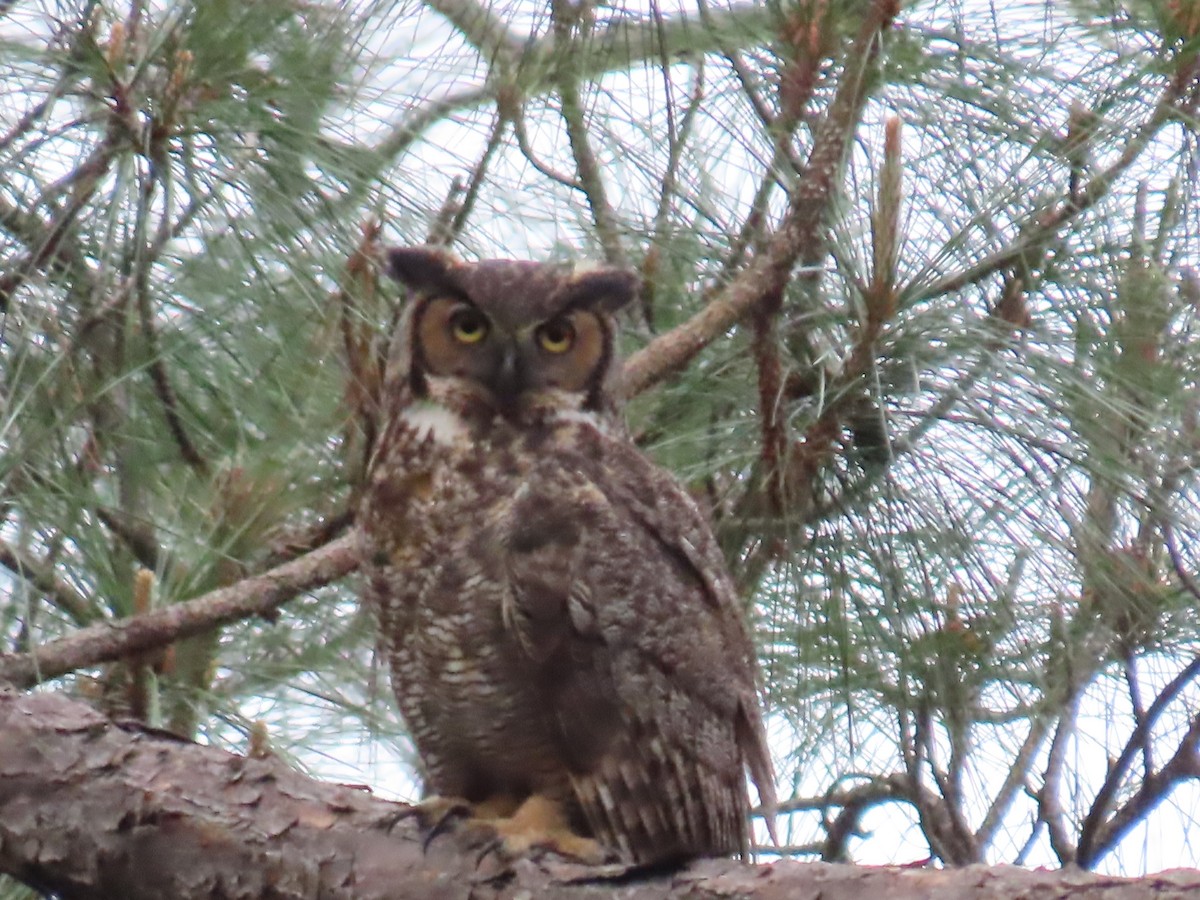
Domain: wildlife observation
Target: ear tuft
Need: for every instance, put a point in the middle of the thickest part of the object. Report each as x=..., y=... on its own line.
x=606, y=288
x=425, y=269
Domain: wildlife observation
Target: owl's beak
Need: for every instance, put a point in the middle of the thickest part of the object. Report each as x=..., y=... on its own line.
x=509, y=377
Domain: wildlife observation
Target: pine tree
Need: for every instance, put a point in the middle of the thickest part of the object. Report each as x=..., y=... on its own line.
x=919, y=325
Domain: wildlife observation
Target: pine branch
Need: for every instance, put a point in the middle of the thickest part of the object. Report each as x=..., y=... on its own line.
x=1098, y=832
x=591, y=180
x=90, y=808
x=1041, y=227
x=41, y=576
x=257, y=595
x=619, y=46
x=797, y=238
x=482, y=29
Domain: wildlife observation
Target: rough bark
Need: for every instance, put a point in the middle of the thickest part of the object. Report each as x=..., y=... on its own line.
x=95, y=808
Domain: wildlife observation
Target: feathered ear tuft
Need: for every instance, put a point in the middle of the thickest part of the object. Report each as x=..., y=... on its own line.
x=608, y=289
x=427, y=270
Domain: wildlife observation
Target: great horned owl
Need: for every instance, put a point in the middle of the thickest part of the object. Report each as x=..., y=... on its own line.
x=565, y=643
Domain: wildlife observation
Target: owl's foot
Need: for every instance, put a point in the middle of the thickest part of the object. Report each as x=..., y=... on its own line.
x=541, y=824
x=514, y=829
x=436, y=815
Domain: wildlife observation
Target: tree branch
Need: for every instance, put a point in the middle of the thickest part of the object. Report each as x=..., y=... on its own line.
x=1093, y=831
x=93, y=809
x=1155, y=786
x=621, y=45
x=41, y=576
x=798, y=237
x=1017, y=773
x=482, y=29
x=1043, y=225
x=587, y=167
x=1049, y=805
x=256, y=595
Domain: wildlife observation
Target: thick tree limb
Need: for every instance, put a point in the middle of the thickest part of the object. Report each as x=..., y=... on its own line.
x=256, y=595
x=90, y=808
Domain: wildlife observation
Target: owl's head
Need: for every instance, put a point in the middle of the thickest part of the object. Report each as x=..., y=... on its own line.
x=521, y=339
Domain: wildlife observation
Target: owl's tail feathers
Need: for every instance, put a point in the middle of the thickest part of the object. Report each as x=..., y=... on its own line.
x=752, y=739
x=658, y=804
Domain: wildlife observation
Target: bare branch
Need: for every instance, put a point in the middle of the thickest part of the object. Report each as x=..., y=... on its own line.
x=1017, y=774
x=1049, y=806
x=256, y=595
x=42, y=577
x=478, y=174
x=1185, y=764
x=1095, y=834
x=1181, y=572
x=93, y=809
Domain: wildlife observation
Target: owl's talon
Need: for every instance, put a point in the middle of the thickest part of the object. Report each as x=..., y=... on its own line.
x=494, y=846
x=436, y=815
x=391, y=820
x=569, y=846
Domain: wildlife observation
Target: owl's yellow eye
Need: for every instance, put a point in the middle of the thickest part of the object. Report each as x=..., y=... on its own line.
x=556, y=336
x=468, y=326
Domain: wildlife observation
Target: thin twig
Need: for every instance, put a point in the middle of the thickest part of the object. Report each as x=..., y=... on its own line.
x=439, y=234
x=299, y=541
x=534, y=160
x=467, y=204
x=1181, y=571
x=160, y=378
x=138, y=537
x=1139, y=708
x=677, y=139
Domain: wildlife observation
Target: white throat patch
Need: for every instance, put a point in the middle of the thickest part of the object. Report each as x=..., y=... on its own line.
x=580, y=416
x=439, y=423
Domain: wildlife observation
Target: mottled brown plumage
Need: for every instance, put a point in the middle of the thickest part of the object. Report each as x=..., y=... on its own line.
x=556, y=614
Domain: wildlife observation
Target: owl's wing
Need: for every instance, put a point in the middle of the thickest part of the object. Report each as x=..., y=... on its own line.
x=620, y=598
x=671, y=514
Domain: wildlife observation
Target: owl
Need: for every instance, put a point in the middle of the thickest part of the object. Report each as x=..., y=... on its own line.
x=564, y=640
